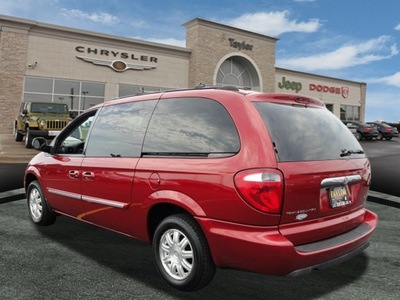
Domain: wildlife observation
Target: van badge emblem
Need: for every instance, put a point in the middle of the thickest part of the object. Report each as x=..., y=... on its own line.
x=301, y=217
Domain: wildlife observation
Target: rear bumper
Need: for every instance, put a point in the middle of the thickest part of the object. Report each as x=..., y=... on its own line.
x=265, y=250
x=331, y=263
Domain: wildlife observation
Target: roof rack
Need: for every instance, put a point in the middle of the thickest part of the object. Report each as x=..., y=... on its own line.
x=224, y=87
x=200, y=86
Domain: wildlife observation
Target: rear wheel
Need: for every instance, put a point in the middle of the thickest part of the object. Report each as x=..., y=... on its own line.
x=388, y=138
x=358, y=136
x=380, y=136
x=181, y=253
x=39, y=211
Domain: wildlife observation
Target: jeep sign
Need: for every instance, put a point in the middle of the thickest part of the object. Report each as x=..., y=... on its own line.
x=290, y=85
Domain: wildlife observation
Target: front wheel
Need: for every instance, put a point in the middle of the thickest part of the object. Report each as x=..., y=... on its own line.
x=39, y=211
x=380, y=136
x=17, y=135
x=181, y=253
x=28, y=138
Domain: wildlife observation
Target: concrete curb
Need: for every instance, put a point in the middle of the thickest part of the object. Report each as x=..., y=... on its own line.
x=12, y=195
x=385, y=199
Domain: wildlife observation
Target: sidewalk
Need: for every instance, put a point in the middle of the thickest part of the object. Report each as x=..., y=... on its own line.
x=14, y=152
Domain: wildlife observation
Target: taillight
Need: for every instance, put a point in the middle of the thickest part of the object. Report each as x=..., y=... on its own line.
x=367, y=128
x=388, y=129
x=261, y=189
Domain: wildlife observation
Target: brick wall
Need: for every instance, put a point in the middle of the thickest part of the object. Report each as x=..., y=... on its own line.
x=210, y=46
x=13, y=54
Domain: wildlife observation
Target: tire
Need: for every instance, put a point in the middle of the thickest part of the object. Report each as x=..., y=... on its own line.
x=28, y=138
x=17, y=135
x=380, y=136
x=359, y=136
x=181, y=253
x=388, y=138
x=39, y=211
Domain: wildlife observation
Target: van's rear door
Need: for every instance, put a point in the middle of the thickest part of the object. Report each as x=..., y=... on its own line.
x=326, y=172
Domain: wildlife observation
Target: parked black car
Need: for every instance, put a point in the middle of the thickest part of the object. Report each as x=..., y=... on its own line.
x=384, y=130
x=395, y=131
x=364, y=130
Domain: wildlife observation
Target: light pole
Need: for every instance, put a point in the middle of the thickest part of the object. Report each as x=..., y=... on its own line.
x=84, y=99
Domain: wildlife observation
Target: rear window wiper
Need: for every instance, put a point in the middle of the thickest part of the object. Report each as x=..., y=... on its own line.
x=346, y=152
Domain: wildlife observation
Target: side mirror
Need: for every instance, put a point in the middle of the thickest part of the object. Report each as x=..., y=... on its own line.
x=40, y=143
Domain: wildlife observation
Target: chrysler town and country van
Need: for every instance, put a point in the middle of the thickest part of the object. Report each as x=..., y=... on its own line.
x=212, y=178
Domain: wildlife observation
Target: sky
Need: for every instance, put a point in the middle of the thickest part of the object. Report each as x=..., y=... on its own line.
x=356, y=40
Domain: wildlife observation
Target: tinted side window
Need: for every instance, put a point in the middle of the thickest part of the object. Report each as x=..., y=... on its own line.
x=304, y=133
x=191, y=126
x=119, y=130
x=72, y=140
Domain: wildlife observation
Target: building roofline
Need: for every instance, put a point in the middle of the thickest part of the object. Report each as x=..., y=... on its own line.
x=212, y=24
x=34, y=26
x=322, y=76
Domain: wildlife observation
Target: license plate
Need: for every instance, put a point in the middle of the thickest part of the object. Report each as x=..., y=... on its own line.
x=338, y=196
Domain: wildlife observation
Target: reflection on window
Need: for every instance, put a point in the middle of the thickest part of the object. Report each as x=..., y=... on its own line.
x=306, y=134
x=191, y=126
x=38, y=85
x=119, y=130
x=78, y=95
x=349, y=113
x=75, y=137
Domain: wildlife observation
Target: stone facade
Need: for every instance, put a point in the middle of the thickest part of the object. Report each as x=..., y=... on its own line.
x=13, y=54
x=212, y=43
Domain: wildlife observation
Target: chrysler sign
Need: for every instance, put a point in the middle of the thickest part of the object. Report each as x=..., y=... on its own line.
x=116, y=60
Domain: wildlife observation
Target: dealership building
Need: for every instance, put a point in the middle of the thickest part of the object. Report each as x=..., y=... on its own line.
x=43, y=62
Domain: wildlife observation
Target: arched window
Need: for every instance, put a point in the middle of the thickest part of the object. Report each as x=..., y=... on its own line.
x=238, y=71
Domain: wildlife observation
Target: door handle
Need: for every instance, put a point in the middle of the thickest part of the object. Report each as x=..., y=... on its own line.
x=88, y=175
x=73, y=174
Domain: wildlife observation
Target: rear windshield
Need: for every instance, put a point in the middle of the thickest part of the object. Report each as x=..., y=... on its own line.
x=303, y=134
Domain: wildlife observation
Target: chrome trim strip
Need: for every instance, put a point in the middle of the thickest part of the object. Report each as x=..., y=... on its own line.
x=64, y=193
x=75, y=196
x=336, y=181
x=104, y=202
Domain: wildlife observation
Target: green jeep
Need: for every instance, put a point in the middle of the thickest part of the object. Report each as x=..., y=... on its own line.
x=40, y=119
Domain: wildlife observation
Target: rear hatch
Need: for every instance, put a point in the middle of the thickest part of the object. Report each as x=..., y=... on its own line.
x=326, y=173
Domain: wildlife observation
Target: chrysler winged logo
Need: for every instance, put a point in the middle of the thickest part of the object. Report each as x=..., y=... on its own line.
x=116, y=65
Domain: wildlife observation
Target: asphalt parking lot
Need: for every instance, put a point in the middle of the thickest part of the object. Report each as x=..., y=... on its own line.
x=73, y=260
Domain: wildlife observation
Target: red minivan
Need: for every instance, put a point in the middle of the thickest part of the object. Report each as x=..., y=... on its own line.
x=212, y=177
